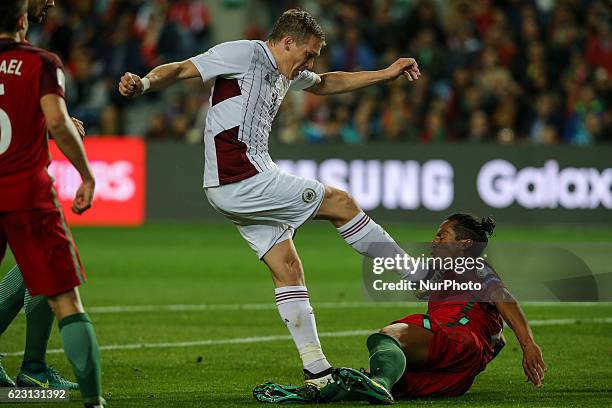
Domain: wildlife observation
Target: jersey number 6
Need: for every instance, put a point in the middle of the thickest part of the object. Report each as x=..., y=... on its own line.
x=6, y=132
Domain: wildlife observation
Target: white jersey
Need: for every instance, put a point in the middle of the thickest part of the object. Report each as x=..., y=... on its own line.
x=245, y=98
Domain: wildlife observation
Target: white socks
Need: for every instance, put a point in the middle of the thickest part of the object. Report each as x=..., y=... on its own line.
x=371, y=240
x=296, y=312
x=368, y=238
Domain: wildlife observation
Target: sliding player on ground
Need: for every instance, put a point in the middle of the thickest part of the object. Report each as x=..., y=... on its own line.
x=34, y=371
x=31, y=221
x=440, y=353
x=241, y=181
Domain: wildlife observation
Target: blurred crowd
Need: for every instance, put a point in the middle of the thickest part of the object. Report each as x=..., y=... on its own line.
x=99, y=40
x=501, y=71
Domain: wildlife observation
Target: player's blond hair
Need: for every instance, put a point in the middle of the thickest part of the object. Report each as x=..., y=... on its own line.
x=297, y=23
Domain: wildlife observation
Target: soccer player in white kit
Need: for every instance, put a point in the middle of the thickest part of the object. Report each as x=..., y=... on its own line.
x=241, y=181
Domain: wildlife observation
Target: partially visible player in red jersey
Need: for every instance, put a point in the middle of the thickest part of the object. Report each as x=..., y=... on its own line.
x=14, y=297
x=440, y=353
x=31, y=222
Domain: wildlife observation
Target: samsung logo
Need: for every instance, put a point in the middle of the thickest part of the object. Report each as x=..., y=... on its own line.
x=500, y=184
x=391, y=184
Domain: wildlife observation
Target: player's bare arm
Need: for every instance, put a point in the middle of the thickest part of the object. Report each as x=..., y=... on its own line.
x=69, y=142
x=159, y=78
x=80, y=127
x=533, y=363
x=339, y=82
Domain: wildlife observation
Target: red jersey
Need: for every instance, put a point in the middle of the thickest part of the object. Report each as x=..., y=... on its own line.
x=27, y=74
x=471, y=309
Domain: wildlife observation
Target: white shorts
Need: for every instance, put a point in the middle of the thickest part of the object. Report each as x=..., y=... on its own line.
x=268, y=207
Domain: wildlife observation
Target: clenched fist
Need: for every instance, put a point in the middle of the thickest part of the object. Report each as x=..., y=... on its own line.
x=404, y=66
x=130, y=85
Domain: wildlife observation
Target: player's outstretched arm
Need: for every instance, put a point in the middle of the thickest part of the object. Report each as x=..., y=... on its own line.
x=339, y=82
x=533, y=363
x=67, y=138
x=159, y=78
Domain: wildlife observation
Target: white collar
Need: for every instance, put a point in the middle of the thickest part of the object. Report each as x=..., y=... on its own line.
x=268, y=52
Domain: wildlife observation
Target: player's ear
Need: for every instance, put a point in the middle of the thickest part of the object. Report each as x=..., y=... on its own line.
x=22, y=23
x=287, y=41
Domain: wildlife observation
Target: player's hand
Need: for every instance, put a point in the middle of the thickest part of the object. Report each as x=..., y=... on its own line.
x=533, y=364
x=84, y=197
x=407, y=67
x=130, y=85
x=79, y=126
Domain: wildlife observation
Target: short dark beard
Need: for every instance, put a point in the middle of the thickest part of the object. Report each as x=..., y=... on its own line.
x=37, y=19
x=33, y=19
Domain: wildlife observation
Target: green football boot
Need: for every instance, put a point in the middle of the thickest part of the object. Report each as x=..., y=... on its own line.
x=5, y=380
x=359, y=386
x=272, y=393
x=48, y=377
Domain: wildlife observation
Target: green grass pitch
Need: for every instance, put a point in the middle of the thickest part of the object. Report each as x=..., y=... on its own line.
x=208, y=265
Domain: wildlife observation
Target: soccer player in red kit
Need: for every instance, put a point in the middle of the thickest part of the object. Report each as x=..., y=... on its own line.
x=440, y=353
x=31, y=222
x=34, y=371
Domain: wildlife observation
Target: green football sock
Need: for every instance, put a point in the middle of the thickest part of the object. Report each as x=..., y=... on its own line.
x=12, y=291
x=81, y=348
x=39, y=321
x=387, y=360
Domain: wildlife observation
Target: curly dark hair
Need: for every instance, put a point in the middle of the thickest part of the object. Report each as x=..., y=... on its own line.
x=479, y=230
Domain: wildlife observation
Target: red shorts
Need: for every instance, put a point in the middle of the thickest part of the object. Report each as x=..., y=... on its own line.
x=455, y=358
x=44, y=250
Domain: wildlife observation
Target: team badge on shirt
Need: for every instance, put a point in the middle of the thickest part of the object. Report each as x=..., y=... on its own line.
x=309, y=195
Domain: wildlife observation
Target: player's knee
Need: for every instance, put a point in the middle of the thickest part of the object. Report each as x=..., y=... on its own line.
x=292, y=273
x=343, y=202
x=390, y=331
x=293, y=264
x=65, y=304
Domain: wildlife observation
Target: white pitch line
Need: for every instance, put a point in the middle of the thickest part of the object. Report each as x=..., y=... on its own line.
x=266, y=339
x=272, y=306
x=236, y=307
x=201, y=343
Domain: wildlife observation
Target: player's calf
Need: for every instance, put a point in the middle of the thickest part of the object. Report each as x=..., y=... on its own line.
x=285, y=264
x=80, y=345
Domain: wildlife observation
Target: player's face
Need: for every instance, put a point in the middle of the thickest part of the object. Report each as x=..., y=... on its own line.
x=302, y=56
x=445, y=243
x=37, y=10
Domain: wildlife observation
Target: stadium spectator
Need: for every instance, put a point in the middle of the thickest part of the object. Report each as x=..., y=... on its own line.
x=488, y=67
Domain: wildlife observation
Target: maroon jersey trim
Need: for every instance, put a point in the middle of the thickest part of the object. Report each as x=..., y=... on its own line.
x=225, y=89
x=232, y=162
